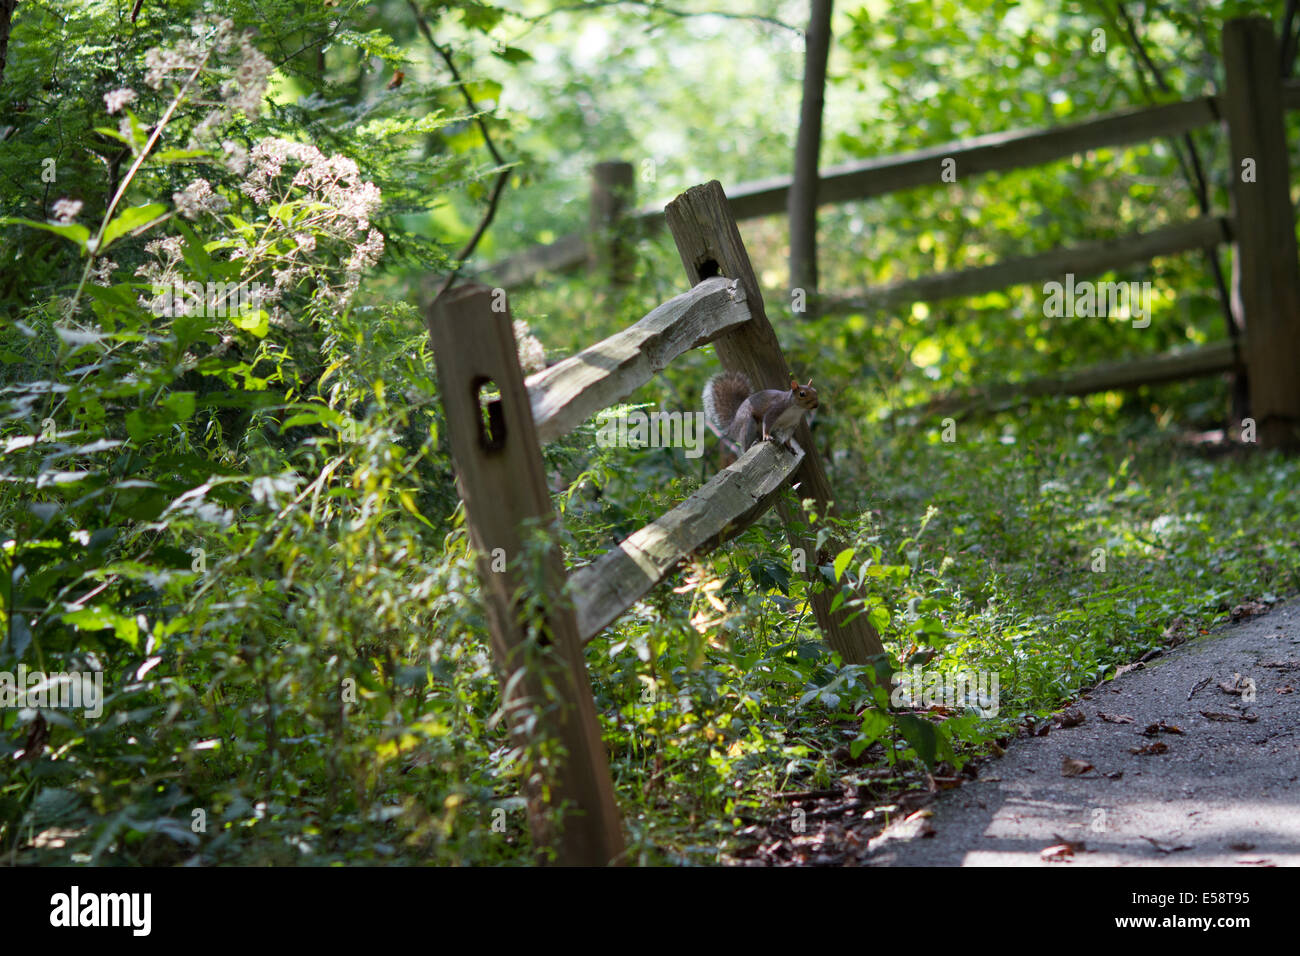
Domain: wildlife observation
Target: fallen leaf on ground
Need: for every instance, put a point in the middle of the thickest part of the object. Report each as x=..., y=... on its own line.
x=1071, y=718
x=1116, y=718
x=1161, y=728
x=1166, y=848
x=1249, y=609
x=1150, y=750
x=1236, y=686
x=1071, y=767
x=1062, y=851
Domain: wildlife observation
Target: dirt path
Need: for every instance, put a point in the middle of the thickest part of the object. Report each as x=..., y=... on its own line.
x=1225, y=792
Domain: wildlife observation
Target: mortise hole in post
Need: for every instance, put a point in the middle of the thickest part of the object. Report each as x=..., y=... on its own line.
x=708, y=269
x=491, y=414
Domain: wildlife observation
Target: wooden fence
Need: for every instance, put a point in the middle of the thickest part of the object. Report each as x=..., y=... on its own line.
x=1261, y=227
x=496, y=421
x=541, y=615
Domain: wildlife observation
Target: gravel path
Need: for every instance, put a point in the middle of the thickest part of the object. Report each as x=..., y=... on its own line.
x=1225, y=792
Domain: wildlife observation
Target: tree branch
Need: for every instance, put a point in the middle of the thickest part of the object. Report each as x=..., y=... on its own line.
x=504, y=175
x=656, y=7
x=1195, y=180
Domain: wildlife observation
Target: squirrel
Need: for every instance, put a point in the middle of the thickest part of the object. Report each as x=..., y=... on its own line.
x=740, y=416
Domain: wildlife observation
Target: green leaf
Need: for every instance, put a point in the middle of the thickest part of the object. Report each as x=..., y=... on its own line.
x=180, y=155
x=72, y=231
x=924, y=738
x=98, y=618
x=257, y=322
x=146, y=422
x=875, y=724
x=842, y=561
x=513, y=55
x=131, y=219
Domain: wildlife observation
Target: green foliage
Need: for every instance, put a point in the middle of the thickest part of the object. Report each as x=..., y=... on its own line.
x=244, y=515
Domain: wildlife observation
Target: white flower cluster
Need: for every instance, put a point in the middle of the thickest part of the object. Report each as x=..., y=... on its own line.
x=333, y=181
x=116, y=99
x=334, y=203
x=162, y=274
x=186, y=56
x=66, y=210
x=101, y=273
x=198, y=197
x=532, y=357
x=244, y=82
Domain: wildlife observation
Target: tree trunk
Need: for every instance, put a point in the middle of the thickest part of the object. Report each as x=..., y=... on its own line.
x=803, y=190
x=6, y=22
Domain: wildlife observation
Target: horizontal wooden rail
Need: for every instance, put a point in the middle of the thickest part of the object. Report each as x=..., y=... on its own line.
x=1178, y=365
x=881, y=175
x=570, y=392
x=989, y=153
x=562, y=255
x=731, y=501
x=1086, y=258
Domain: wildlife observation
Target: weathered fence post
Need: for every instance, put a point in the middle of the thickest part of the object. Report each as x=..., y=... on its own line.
x=709, y=245
x=612, y=195
x=501, y=479
x=1265, y=268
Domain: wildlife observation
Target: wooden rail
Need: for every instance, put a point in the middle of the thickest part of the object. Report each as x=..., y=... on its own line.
x=570, y=392
x=1085, y=258
x=540, y=619
x=497, y=422
x=727, y=505
x=1179, y=365
x=868, y=178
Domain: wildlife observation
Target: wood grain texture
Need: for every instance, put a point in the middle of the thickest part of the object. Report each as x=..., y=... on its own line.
x=501, y=480
x=570, y=392
x=729, y=503
x=709, y=244
x=1266, y=270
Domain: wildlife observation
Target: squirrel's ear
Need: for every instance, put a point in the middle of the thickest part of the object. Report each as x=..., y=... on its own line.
x=794, y=383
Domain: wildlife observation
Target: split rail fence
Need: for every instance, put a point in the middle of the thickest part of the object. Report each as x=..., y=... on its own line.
x=497, y=419
x=1265, y=294
x=496, y=423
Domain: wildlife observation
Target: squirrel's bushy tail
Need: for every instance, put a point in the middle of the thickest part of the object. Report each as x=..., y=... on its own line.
x=723, y=395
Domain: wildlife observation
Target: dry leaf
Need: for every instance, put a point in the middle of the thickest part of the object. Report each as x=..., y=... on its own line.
x=1150, y=750
x=1161, y=727
x=1166, y=848
x=1070, y=718
x=1062, y=851
x=1071, y=767
x=1249, y=609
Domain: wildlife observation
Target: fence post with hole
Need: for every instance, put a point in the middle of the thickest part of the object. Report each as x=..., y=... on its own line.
x=709, y=244
x=545, y=688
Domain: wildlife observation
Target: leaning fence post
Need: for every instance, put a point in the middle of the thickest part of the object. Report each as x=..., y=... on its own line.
x=501, y=480
x=709, y=245
x=612, y=195
x=1265, y=269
